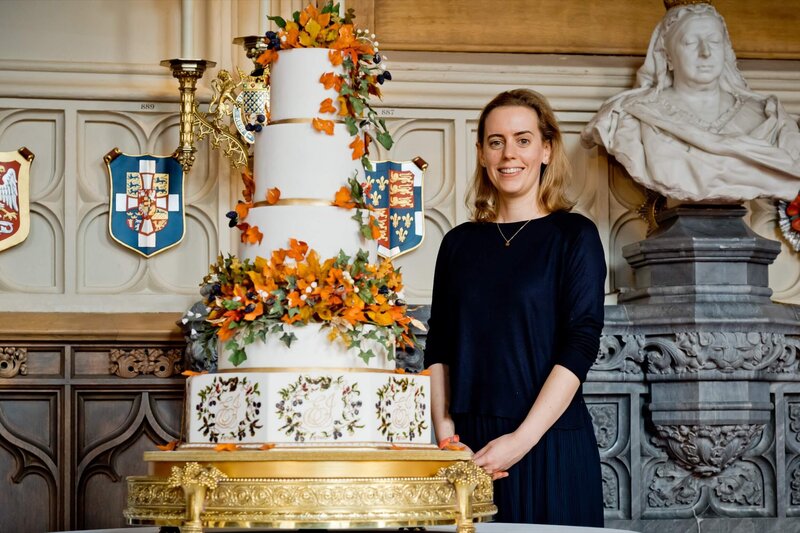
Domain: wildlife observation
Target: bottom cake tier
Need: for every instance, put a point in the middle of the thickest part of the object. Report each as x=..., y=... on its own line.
x=302, y=407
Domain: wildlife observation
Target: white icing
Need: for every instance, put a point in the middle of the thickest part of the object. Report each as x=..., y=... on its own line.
x=326, y=229
x=295, y=89
x=249, y=408
x=303, y=162
x=311, y=349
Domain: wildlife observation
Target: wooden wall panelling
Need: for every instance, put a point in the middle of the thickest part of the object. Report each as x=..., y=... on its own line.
x=31, y=459
x=113, y=428
x=763, y=29
x=78, y=411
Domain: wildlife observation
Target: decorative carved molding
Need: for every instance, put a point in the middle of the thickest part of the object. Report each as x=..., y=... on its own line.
x=364, y=501
x=794, y=487
x=741, y=485
x=140, y=361
x=605, y=420
x=793, y=412
x=610, y=487
x=13, y=361
x=706, y=451
x=623, y=353
x=723, y=351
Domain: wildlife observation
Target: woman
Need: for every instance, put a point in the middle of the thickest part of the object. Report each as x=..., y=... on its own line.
x=515, y=322
x=692, y=129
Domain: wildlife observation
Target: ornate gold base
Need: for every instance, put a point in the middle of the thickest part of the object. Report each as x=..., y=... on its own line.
x=310, y=488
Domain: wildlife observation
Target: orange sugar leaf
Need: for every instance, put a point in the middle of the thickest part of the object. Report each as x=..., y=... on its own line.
x=344, y=110
x=255, y=313
x=266, y=446
x=358, y=148
x=191, y=373
x=298, y=249
x=331, y=80
x=168, y=447
x=367, y=141
x=323, y=125
x=343, y=199
x=327, y=106
x=399, y=370
x=426, y=372
x=249, y=185
x=267, y=57
x=335, y=57
x=273, y=195
x=374, y=227
x=242, y=209
x=396, y=447
x=251, y=234
x=226, y=447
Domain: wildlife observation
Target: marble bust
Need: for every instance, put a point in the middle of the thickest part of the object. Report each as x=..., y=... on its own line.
x=691, y=128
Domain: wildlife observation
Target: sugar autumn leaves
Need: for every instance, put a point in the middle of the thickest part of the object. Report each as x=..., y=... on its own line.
x=250, y=234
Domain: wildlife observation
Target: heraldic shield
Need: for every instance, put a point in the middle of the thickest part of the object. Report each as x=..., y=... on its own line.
x=394, y=190
x=15, y=218
x=146, y=207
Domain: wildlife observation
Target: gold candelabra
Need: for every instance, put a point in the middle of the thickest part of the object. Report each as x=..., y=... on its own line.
x=196, y=125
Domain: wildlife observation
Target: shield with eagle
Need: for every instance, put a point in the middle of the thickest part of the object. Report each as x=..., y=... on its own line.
x=15, y=220
x=146, y=211
x=394, y=191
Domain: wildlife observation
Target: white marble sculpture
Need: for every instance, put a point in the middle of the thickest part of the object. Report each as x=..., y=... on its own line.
x=691, y=129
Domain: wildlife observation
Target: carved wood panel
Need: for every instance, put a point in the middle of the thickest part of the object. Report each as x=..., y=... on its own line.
x=71, y=431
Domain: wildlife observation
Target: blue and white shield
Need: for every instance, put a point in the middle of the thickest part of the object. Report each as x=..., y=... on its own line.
x=146, y=206
x=394, y=190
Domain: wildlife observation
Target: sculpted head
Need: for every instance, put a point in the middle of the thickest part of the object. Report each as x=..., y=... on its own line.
x=691, y=45
x=695, y=48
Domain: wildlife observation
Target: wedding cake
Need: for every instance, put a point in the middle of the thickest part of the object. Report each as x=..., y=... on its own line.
x=307, y=316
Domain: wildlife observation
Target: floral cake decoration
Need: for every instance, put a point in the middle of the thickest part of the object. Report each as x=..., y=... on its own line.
x=248, y=301
x=364, y=70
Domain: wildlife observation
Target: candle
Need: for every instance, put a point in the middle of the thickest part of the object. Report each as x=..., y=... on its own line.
x=187, y=36
x=341, y=8
x=263, y=13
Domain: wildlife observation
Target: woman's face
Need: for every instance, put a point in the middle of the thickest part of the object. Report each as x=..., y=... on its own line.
x=512, y=152
x=696, y=51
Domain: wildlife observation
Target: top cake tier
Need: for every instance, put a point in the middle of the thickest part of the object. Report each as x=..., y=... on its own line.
x=295, y=89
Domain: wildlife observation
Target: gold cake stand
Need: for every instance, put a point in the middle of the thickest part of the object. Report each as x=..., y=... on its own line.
x=316, y=488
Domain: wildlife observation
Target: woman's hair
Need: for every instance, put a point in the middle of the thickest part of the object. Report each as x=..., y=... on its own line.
x=482, y=198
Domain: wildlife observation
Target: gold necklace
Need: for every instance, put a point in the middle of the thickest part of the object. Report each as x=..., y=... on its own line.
x=508, y=241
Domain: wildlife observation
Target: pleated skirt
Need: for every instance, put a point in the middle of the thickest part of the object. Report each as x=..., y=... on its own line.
x=558, y=482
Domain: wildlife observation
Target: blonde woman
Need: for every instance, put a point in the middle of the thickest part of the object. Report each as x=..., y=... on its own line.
x=515, y=322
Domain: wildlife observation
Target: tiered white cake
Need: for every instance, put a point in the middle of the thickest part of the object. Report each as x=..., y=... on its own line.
x=316, y=392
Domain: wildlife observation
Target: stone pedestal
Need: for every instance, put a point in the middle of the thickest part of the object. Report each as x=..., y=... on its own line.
x=701, y=253
x=710, y=345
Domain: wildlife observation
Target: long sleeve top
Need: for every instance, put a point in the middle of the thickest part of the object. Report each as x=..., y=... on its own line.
x=503, y=316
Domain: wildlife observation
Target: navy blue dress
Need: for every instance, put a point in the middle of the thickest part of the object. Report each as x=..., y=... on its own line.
x=501, y=318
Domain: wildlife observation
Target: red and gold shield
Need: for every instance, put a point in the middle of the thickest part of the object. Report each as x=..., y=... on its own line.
x=15, y=219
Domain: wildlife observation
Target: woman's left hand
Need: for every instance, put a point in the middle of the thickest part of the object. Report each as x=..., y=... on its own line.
x=501, y=454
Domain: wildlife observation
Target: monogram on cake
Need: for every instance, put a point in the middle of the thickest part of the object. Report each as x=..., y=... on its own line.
x=308, y=317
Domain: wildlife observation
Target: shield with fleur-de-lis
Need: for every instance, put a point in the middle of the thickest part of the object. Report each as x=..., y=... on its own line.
x=394, y=190
x=15, y=217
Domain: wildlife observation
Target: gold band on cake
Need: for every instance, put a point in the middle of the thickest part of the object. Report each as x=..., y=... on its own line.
x=295, y=201
x=283, y=369
x=303, y=121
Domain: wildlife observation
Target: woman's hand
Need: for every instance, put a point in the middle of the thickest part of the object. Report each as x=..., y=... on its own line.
x=501, y=454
